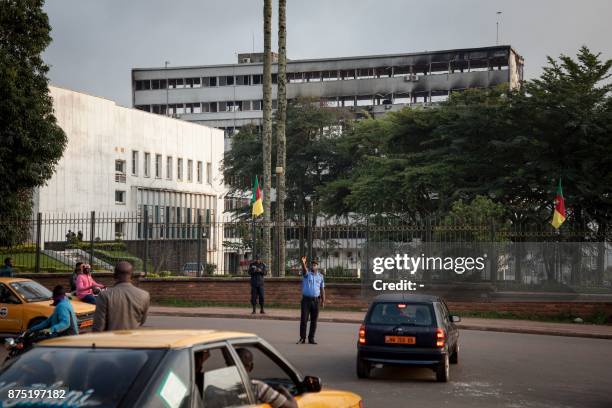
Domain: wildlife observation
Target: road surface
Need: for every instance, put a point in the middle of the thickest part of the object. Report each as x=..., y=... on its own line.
x=495, y=369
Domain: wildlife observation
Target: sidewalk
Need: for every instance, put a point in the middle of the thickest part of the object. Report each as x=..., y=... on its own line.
x=467, y=323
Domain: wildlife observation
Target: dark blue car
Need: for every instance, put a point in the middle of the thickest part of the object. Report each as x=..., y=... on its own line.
x=408, y=330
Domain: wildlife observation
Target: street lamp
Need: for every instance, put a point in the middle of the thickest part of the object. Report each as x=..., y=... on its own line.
x=167, y=86
x=497, y=28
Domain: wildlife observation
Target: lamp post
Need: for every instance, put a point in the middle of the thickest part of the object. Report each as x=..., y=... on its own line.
x=497, y=28
x=167, y=86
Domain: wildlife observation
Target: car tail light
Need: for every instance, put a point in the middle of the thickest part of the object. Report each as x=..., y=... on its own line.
x=440, y=337
x=362, y=334
x=401, y=306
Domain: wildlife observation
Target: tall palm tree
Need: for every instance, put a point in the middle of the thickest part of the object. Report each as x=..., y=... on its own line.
x=267, y=128
x=281, y=117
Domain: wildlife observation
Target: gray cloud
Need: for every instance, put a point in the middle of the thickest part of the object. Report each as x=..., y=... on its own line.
x=96, y=43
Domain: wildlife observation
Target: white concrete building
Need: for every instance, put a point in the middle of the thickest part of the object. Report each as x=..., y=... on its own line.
x=121, y=162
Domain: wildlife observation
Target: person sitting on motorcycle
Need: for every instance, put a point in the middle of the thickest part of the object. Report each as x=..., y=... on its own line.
x=86, y=284
x=63, y=321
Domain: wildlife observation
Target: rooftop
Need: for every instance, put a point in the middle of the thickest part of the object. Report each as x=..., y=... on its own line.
x=135, y=339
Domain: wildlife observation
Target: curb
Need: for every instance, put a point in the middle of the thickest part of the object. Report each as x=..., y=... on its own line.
x=345, y=320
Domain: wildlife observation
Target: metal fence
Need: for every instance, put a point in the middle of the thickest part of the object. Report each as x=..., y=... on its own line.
x=345, y=247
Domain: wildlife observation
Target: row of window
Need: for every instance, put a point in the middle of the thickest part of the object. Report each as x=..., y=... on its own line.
x=201, y=82
x=120, y=168
x=329, y=75
x=205, y=107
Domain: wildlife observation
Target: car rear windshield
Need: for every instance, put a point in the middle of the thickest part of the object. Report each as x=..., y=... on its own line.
x=410, y=314
x=91, y=377
x=32, y=291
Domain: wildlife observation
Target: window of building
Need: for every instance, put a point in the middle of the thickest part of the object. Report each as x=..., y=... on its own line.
x=209, y=175
x=179, y=169
x=158, y=84
x=146, y=108
x=257, y=79
x=158, y=166
x=119, y=197
x=257, y=105
x=143, y=85
x=180, y=83
x=243, y=80
x=179, y=109
x=169, y=167
x=189, y=170
x=199, y=172
x=147, y=164
x=172, y=83
x=120, y=166
x=209, y=81
x=226, y=80
x=193, y=108
x=159, y=109
x=193, y=82
x=119, y=230
x=214, y=107
x=134, y=162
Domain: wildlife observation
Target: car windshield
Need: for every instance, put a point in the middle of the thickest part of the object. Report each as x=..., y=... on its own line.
x=410, y=314
x=92, y=377
x=32, y=291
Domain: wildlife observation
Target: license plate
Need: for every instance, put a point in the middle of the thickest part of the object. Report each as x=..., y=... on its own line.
x=86, y=323
x=400, y=340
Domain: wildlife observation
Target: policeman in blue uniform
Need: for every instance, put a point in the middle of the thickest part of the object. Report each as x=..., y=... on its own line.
x=313, y=294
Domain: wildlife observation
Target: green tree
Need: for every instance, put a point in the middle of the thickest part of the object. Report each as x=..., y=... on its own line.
x=32, y=142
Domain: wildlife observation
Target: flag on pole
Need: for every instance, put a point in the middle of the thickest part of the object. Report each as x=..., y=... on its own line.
x=559, y=212
x=257, y=199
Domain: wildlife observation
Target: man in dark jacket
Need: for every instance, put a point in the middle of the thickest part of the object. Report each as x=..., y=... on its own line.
x=257, y=271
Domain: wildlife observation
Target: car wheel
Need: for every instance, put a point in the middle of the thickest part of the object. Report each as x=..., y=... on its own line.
x=454, y=358
x=443, y=370
x=363, y=368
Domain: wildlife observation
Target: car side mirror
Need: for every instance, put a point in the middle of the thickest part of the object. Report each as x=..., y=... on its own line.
x=312, y=384
x=455, y=319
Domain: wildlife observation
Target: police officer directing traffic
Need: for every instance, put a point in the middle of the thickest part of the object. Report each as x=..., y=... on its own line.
x=257, y=271
x=313, y=292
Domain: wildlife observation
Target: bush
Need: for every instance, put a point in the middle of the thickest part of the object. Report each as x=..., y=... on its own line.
x=209, y=269
x=105, y=246
x=19, y=249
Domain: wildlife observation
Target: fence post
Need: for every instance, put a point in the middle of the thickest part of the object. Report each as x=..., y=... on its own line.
x=92, y=237
x=199, y=249
x=38, y=233
x=146, y=238
x=367, y=249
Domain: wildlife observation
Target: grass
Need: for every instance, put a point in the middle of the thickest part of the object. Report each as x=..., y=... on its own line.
x=27, y=260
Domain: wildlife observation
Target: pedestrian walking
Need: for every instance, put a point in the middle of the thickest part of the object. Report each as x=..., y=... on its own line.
x=313, y=294
x=7, y=270
x=124, y=306
x=257, y=271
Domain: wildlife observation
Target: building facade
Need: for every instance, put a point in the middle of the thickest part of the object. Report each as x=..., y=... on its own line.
x=123, y=163
x=230, y=96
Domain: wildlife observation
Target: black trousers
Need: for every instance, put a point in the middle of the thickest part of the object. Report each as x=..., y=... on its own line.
x=309, y=308
x=257, y=292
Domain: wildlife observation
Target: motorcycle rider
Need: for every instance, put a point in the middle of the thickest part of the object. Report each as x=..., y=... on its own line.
x=63, y=321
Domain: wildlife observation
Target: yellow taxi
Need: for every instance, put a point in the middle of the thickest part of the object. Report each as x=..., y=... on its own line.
x=24, y=303
x=160, y=368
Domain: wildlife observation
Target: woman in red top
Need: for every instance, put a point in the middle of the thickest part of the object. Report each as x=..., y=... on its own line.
x=85, y=285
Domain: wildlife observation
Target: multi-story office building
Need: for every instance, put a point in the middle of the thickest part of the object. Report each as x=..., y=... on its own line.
x=123, y=163
x=229, y=96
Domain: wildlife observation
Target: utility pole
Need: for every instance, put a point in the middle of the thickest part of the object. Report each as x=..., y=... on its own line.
x=267, y=129
x=281, y=120
x=497, y=28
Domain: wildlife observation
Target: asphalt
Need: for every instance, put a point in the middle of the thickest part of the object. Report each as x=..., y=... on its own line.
x=507, y=370
x=334, y=316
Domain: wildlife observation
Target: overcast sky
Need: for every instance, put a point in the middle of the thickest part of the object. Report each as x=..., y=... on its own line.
x=96, y=43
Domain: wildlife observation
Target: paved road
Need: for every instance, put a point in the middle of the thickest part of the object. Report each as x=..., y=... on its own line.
x=495, y=370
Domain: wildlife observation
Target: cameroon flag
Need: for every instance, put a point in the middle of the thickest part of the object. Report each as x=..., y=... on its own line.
x=559, y=213
x=257, y=199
